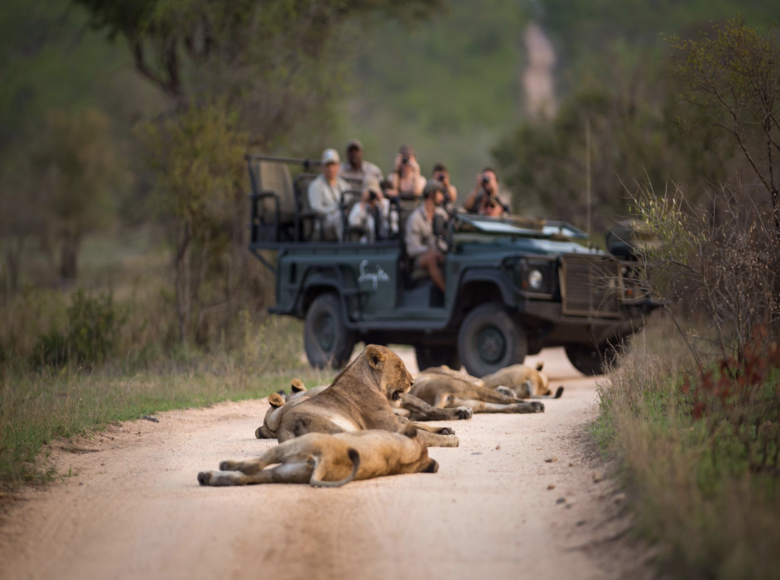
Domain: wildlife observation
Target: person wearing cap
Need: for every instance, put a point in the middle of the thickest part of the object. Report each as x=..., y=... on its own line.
x=355, y=169
x=485, y=190
x=421, y=243
x=371, y=213
x=406, y=179
x=325, y=196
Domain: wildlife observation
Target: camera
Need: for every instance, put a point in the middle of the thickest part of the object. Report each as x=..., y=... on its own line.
x=372, y=196
x=485, y=180
x=440, y=177
x=405, y=159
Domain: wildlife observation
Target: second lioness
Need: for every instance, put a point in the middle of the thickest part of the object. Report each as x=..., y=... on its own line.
x=360, y=398
x=444, y=390
x=329, y=460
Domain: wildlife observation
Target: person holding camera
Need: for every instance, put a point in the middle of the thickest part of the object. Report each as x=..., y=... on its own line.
x=486, y=189
x=371, y=213
x=422, y=246
x=442, y=174
x=406, y=179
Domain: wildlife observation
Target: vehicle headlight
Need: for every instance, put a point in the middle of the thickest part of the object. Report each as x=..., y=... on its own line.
x=535, y=279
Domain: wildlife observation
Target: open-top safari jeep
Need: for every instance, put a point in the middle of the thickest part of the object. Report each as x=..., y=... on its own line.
x=514, y=286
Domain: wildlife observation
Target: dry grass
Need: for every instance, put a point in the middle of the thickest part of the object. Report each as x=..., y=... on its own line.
x=37, y=407
x=692, y=489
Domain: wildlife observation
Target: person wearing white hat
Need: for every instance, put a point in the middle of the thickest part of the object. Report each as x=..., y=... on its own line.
x=325, y=196
x=355, y=168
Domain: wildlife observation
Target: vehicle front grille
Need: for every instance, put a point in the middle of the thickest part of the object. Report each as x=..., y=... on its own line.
x=591, y=286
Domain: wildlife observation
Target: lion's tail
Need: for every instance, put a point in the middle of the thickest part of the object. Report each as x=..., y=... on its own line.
x=354, y=456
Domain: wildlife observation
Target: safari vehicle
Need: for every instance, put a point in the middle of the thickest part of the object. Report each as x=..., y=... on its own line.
x=513, y=286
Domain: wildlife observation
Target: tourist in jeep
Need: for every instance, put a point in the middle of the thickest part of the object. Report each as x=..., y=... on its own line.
x=325, y=196
x=355, y=169
x=406, y=179
x=422, y=246
x=371, y=213
x=485, y=189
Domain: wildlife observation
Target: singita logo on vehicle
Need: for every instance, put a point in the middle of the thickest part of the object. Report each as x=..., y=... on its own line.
x=374, y=277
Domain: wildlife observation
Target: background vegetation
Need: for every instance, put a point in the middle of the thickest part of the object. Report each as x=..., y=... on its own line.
x=126, y=287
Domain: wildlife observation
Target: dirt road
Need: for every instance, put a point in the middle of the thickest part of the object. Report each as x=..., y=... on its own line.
x=133, y=508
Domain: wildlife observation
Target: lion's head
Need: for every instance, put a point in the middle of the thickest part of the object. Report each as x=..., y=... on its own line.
x=389, y=372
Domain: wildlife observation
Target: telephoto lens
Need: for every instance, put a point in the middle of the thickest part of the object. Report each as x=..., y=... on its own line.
x=405, y=159
x=485, y=179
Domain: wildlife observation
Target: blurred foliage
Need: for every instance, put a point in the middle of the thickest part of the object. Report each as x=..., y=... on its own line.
x=90, y=338
x=197, y=157
x=732, y=77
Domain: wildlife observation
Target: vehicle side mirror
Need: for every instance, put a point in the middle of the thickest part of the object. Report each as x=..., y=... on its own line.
x=439, y=225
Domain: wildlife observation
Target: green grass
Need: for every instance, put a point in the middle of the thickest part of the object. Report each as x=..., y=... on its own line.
x=692, y=490
x=36, y=410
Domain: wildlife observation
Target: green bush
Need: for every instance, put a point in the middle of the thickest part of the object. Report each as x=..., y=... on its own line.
x=92, y=334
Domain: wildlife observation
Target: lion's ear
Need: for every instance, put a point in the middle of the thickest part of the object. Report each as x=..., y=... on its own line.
x=540, y=366
x=276, y=400
x=376, y=358
x=297, y=386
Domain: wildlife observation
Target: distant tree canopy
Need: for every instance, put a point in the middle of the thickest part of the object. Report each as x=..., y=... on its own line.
x=275, y=61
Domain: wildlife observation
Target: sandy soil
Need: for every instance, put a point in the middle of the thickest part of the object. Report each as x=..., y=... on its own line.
x=133, y=508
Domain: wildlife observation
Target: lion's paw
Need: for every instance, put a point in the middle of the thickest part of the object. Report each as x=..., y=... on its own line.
x=218, y=478
x=446, y=431
x=228, y=465
x=506, y=391
x=204, y=477
x=537, y=407
x=464, y=413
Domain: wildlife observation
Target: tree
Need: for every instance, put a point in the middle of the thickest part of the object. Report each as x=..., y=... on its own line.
x=198, y=159
x=76, y=162
x=733, y=77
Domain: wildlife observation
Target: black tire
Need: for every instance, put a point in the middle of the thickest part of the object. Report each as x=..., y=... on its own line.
x=593, y=360
x=326, y=339
x=489, y=340
x=435, y=356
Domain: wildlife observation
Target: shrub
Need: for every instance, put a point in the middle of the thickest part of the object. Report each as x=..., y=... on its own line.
x=92, y=334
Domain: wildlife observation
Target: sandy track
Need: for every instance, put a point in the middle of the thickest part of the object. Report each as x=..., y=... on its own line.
x=135, y=510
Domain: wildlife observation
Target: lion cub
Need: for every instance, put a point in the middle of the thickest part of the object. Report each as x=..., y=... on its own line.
x=329, y=460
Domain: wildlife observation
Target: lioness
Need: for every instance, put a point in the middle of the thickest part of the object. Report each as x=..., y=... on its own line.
x=442, y=390
x=411, y=407
x=519, y=381
x=524, y=382
x=360, y=398
x=329, y=460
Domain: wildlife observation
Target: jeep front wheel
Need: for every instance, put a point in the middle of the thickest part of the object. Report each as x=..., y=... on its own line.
x=489, y=340
x=326, y=338
x=592, y=360
x=436, y=356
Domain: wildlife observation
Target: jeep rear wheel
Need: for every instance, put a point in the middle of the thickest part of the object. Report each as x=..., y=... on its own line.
x=436, y=356
x=326, y=338
x=592, y=360
x=489, y=340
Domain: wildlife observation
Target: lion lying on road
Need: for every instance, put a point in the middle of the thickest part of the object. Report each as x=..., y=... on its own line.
x=360, y=398
x=329, y=460
x=519, y=381
x=411, y=407
x=443, y=390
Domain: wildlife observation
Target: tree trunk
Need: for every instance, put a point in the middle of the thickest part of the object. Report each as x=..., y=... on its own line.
x=69, y=251
x=182, y=269
x=13, y=259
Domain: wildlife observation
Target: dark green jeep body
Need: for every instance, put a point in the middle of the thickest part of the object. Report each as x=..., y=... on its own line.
x=513, y=287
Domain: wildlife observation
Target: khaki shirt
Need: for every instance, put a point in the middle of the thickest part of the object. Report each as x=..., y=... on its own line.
x=418, y=236
x=325, y=198
x=367, y=170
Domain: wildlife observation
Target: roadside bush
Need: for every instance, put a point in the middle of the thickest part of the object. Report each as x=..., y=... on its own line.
x=698, y=453
x=91, y=336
